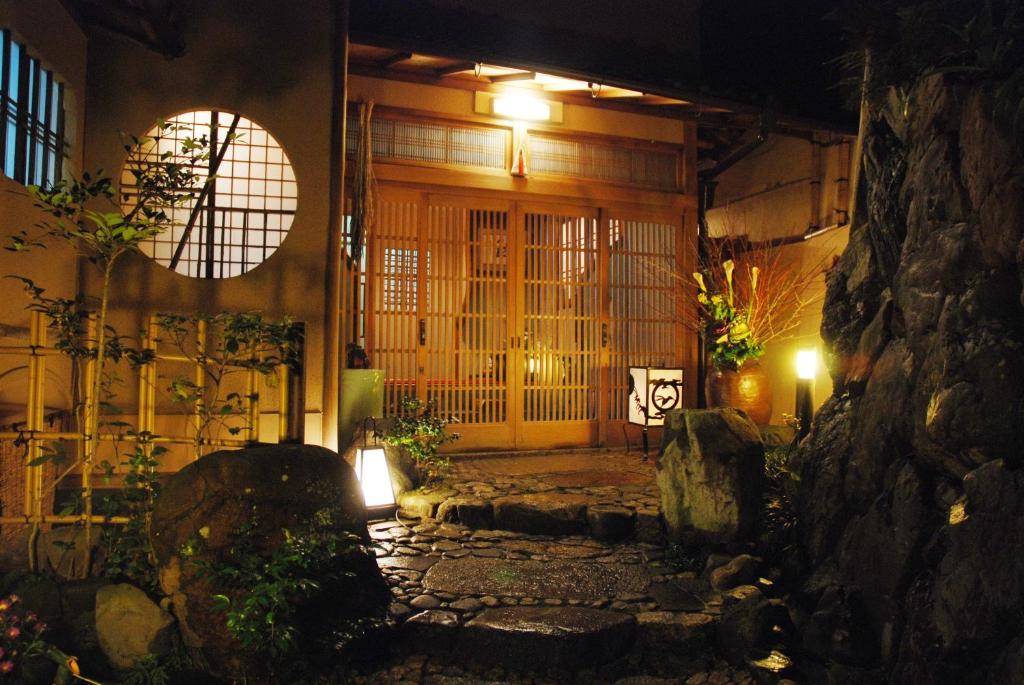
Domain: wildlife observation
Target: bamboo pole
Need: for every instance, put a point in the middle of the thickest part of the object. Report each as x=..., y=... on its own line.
x=34, y=410
x=282, y=403
x=73, y=518
x=252, y=403
x=91, y=433
x=199, y=378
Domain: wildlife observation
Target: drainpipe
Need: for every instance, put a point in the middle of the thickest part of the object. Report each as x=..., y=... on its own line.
x=706, y=185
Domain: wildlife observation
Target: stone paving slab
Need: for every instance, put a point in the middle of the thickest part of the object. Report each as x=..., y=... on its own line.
x=559, y=637
x=512, y=578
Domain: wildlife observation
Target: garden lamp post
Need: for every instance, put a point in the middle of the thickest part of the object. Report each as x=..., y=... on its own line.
x=373, y=473
x=806, y=370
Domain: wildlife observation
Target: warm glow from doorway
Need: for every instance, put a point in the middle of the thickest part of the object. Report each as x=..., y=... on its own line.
x=806, y=364
x=521, y=107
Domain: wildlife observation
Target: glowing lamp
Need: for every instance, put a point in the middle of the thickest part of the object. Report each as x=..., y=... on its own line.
x=373, y=474
x=807, y=364
x=806, y=370
x=521, y=107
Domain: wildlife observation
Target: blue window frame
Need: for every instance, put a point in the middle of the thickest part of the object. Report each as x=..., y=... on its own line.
x=31, y=117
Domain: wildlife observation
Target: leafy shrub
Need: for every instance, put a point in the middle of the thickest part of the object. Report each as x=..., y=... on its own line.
x=270, y=597
x=421, y=432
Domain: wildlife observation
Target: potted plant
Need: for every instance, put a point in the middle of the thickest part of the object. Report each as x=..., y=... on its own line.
x=749, y=294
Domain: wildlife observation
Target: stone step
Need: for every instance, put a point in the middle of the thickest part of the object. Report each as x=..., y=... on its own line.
x=567, y=638
x=525, y=638
x=539, y=513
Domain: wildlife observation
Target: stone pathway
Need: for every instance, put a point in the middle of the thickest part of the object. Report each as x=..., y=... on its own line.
x=545, y=602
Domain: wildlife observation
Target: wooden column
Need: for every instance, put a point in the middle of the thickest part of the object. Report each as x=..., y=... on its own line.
x=333, y=355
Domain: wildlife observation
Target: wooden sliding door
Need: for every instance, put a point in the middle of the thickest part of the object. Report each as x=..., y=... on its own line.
x=465, y=311
x=558, y=326
x=519, y=319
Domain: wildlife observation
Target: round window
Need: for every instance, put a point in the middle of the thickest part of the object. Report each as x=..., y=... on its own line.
x=247, y=208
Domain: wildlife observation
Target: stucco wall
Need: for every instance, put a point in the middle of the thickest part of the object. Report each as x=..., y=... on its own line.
x=53, y=37
x=768, y=195
x=271, y=63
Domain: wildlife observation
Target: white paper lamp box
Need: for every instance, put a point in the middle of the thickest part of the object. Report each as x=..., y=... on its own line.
x=652, y=392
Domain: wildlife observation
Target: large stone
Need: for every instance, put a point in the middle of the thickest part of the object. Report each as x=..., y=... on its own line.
x=276, y=488
x=674, y=641
x=542, y=513
x=566, y=638
x=610, y=523
x=130, y=627
x=423, y=503
x=910, y=484
x=747, y=619
x=539, y=579
x=472, y=512
x=710, y=473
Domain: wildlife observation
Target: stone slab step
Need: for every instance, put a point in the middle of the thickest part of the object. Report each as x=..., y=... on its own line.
x=525, y=638
x=539, y=513
x=512, y=578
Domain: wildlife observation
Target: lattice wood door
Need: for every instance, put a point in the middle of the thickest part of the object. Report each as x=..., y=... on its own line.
x=466, y=313
x=392, y=294
x=559, y=326
x=643, y=323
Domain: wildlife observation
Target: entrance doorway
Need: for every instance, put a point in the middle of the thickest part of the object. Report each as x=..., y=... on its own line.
x=519, y=318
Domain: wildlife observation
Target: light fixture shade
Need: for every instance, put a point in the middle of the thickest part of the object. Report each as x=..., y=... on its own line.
x=806, y=364
x=521, y=107
x=374, y=476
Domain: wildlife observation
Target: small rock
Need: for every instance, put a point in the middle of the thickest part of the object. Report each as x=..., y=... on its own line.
x=742, y=570
x=398, y=611
x=467, y=604
x=130, y=627
x=489, y=601
x=425, y=602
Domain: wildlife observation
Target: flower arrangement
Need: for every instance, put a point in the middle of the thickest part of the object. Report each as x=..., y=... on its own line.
x=748, y=295
x=20, y=637
x=725, y=325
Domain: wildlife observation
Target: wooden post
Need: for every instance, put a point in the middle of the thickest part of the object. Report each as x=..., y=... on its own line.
x=335, y=228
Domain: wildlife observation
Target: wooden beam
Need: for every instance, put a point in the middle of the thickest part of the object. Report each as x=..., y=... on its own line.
x=394, y=59
x=516, y=76
x=455, y=69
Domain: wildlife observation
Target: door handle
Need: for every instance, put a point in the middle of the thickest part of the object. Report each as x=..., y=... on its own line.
x=604, y=335
x=423, y=331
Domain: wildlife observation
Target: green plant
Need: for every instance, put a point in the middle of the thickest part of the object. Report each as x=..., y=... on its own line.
x=267, y=591
x=102, y=225
x=129, y=552
x=780, y=510
x=147, y=671
x=239, y=342
x=421, y=432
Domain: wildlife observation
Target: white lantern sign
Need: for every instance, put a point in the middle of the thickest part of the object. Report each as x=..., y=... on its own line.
x=652, y=392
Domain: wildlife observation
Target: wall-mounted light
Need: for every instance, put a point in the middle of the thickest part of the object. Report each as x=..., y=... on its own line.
x=521, y=107
x=373, y=473
x=806, y=371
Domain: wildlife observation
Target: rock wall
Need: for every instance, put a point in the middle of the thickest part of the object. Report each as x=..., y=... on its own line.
x=912, y=492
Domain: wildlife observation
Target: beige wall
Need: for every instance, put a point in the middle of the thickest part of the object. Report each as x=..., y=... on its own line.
x=769, y=195
x=459, y=103
x=53, y=37
x=271, y=63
